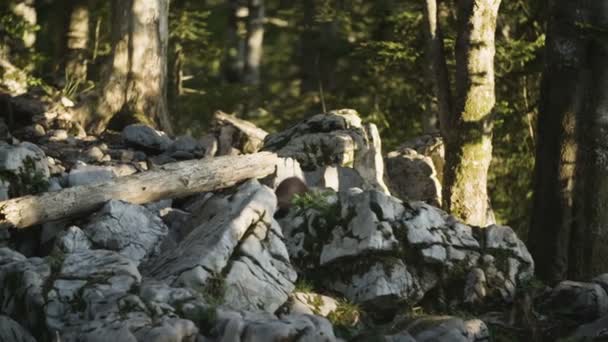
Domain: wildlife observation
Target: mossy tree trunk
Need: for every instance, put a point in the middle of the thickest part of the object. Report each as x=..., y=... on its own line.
x=136, y=83
x=556, y=146
x=469, y=136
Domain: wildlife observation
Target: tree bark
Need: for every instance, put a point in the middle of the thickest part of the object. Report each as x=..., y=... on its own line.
x=438, y=67
x=309, y=49
x=589, y=245
x=137, y=80
x=556, y=147
x=234, y=61
x=255, y=38
x=169, y=181
x=469, y=147
x=77, y=42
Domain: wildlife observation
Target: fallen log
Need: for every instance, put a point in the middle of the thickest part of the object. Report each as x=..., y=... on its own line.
x=168, y=181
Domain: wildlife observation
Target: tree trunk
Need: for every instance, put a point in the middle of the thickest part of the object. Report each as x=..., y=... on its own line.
x=556, y=146
x=136, y=84
x=77, y=42
x=469, y=148
x=177, y=74
x=255, y=38
x=438, y=69
x=169, y=181
x=589, y=249
x=234, y=61
x=309, y=49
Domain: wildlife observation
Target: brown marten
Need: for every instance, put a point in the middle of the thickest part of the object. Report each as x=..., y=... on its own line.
x=285, y=192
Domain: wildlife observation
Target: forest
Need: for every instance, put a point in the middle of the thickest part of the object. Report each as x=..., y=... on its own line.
x=315, y=170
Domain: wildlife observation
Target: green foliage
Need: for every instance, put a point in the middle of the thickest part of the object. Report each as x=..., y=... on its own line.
x=347, y=314
x=189, y=27
x=26, y=181
x=315, y=199
x=74, y=86
x=14, y=27
x=214, y=290
x=518, y=67
x=303, y=285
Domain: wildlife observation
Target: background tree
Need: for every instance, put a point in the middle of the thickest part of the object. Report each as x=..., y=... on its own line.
x=589, y=243
x=560, y=103
x=569, y=227
x=466, y=121
x=254, y=40
x=78, y=41
x=135, y=85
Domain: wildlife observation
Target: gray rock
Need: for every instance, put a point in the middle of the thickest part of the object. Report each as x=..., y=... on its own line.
x=335, y=177
x=286, y=168
x=90, y=175
x=94, y=154
x=143, y=136
x=58, y=135
x=54, y=184
x=187, y=144
x=448, y=329
x=50, y=230
x=233, y=326
x=582, y=302
x=169, y=329
x=99, y=281
x=337, y=138
x=12, y=331
x=73, y=240
x=380, y=285
x=412, y=176
x=181, y=155
x=129, y=229
x=23, y=282
x=36, y=130
x=176, y=220
x=602, y=280
x=378, y=251
x=429, y=145
x=240, y=240
x=594, y=331
x=366, y=230
x=25, y=161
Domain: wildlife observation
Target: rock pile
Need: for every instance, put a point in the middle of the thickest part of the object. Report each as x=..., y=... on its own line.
x=348, y=261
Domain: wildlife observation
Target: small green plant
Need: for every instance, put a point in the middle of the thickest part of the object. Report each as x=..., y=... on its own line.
x=26, y=181
x=214, y=290
x=346, y=319
x=316, y=303
x=75, y=86
x=303, y=285
x=317, y=200
x=347, y=314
